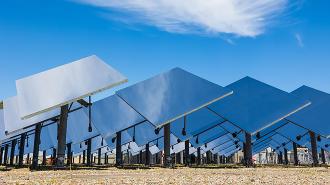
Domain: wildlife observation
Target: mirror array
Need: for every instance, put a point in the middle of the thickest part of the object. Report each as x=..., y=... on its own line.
x=173, y=117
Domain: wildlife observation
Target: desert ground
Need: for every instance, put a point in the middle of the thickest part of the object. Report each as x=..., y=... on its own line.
x=261, y=175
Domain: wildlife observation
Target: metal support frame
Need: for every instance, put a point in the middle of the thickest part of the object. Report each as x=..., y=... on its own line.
x=44, y=157
x=99, y=156
x=1, y=154
x=68, y=154
x=89, y=152
x=105, y=158
x=210, y=128
x=314, y=148
x=5, y=156
x=157, y=158
x=216, y=158
x=28, y=158
x=21, y=150
x=323, y=156
x=119, y=155
x=167, y=145
x=140, y=157
x=208, y=157
x=62, y=129
x=286, y=161
x=199, y=156
x=279, y=158
x=54, y=156
x=84, y=157
x=36, y=144
x=12, y=151
x=147, y=162
x=248, y=150
x=295, y=153
x=186, y=152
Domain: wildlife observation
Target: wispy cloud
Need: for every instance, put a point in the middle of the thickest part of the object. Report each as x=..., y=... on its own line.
x=299, y=40
x=247, y=18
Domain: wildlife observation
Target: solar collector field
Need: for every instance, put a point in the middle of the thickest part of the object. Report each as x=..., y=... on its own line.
x=203, y=118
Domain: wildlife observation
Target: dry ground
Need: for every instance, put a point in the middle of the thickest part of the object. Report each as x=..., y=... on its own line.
x=170, y=176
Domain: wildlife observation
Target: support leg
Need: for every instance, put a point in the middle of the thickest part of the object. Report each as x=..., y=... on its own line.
x=84, y=157
x=199, y=156
x=167, y=145
x=314, y=148
x=12, y=151
x=99, y=156
x=119, y=156
x=186, y=153
x=286, y=161
x=323, y=156
x=89, y=152
x=147, y=155
x=62, y=136
x=44, y=157
x=36, y=146
x=54, y=156
x=1, y=154
x=295, y=154
x=248, y=150
x=21, y=149
x=68, y=154
x=5, y=156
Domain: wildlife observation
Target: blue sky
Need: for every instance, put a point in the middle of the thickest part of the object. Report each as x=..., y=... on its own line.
x=288, y=50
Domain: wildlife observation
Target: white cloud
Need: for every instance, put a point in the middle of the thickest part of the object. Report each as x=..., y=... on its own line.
x=299, y=40
x=247, y=18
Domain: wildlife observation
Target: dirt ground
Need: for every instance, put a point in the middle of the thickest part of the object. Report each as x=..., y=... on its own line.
x=170, y=176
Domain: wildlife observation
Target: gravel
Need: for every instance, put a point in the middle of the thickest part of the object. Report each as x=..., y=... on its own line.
x=170, y=176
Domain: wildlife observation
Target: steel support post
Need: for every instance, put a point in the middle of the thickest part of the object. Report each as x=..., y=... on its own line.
x=119, y=156
x=99, y=156
x=248, y=150
x=157, y=158
x=84, y=157
x=167, y=145
x=244, y=154
x=208, y=157
x=186, y=153
x=28, y=158
x=286, y=161
x=140, y=157
x=295, y=153
x=199, y=156
x=62, y=129
x=54, y=156
x=314, y=148
x=44, y=157
x=1, y=154
x=21, y=150
x=281, y=158
x=323, y=156
x=36, y=144
x=5, y=156
x=147, y=163
x=68, y=154
x=89, y=152
x=105, y=158
x=12, y=151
